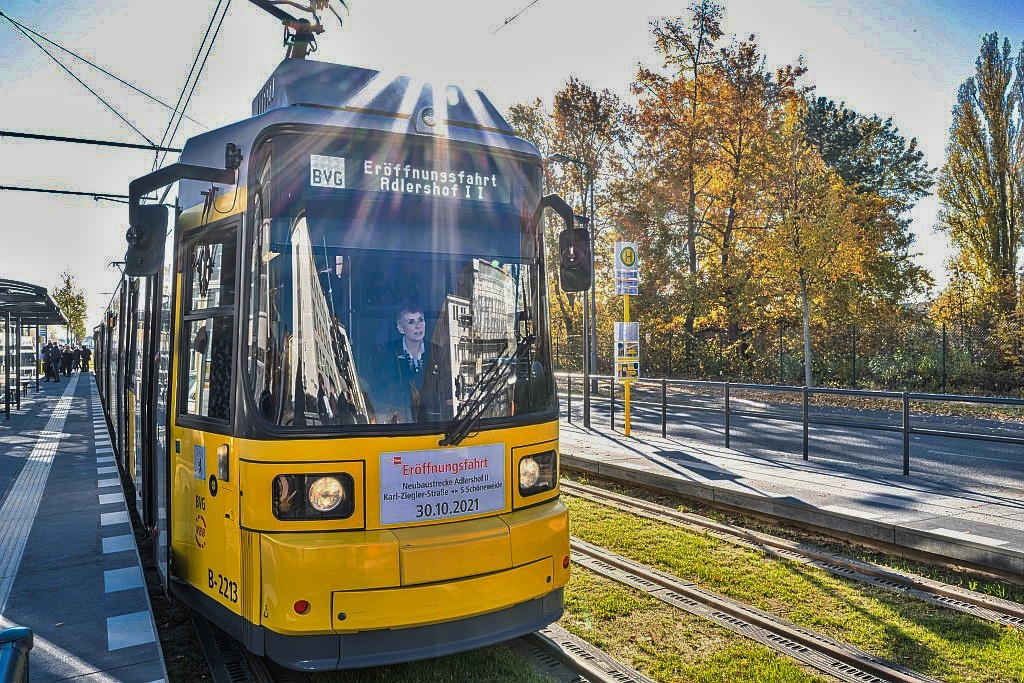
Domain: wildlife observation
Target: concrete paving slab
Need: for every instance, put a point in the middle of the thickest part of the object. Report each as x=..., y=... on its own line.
x=117, y=544
x=78, y=584
x=123, y=578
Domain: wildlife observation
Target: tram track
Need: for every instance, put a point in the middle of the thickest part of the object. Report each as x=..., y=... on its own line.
x=556, y=653
x=986, y=607
x=835, y=658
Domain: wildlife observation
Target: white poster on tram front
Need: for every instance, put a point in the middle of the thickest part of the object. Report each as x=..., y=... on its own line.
x=417, y=486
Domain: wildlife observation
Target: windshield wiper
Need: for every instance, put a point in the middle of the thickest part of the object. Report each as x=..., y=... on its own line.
x=484, y=393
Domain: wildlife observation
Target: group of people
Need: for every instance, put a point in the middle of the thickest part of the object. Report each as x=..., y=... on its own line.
x=63, y=358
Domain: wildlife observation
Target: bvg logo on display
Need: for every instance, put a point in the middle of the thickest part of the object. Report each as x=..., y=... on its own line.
x=326, y=171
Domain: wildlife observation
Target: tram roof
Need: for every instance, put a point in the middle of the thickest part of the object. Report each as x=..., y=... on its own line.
x=31, y=303
x=304, y=82
x=305, y=92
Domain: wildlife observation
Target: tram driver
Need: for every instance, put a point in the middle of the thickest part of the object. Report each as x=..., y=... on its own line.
x=413, y=374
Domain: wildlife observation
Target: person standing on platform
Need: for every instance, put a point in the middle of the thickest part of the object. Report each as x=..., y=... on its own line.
x=44, y=356
x=54, y=356
x=86, y=357
x=67, y=358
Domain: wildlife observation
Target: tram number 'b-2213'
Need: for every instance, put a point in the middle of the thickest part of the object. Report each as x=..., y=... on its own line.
x=224, y=585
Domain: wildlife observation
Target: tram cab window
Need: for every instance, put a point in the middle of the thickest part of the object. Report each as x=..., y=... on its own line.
x=209, y=325
x=343, y=337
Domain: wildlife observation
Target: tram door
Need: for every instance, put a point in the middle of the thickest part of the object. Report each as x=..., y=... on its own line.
x=153, y=371
x=204, y=504
x=124, y=324
x=159, y=388
x=141, y=379
x=130, y=366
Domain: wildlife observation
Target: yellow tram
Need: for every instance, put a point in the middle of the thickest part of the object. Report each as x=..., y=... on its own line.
x=329, y=374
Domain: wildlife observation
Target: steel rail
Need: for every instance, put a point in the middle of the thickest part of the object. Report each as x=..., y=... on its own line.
x=586, y=661
x=842, y=660
x=985, y=607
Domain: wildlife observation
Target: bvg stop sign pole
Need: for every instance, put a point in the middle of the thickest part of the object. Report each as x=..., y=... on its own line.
x=627, y=333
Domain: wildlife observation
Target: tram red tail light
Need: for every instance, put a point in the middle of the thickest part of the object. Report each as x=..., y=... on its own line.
x=313, y=496
x=565, y=562
x=537, y=473
x=301, y=606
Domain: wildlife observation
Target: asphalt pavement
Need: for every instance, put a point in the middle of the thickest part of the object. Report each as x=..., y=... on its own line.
x=957, y=443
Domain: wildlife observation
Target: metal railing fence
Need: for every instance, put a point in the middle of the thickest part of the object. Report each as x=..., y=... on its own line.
x=719, y=397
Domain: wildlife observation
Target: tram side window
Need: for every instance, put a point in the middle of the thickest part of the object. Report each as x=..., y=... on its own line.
x=209, y=326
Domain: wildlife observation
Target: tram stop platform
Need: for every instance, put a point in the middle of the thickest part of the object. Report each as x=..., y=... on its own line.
x=979, y=526
x=69, y=566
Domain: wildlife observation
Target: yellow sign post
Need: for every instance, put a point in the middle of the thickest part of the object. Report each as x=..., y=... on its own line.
x=627, y=334
x=627, y=382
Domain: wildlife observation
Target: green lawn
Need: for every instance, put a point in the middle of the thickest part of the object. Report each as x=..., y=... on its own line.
x=938, y=642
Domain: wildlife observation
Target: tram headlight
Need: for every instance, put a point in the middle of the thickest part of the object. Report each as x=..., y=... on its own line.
x=326, y=493
x=313, y=496
x=537, y=473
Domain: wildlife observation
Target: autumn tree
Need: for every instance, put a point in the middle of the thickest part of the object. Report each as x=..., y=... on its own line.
x=584, y=126
x=980, y=185
x=745, y=195
x=532, y=122
x=674, y=118
x=71, y=300
x=747, y=96
x=876, y=160
x=812, y=240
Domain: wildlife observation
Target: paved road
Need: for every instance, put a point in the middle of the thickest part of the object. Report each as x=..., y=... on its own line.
x=776, y=431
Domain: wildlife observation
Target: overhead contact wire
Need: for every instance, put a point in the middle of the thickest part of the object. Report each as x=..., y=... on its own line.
x=81, y=82
x=515, y=16
x=195, y=82
x=157, y=158
x=99, y=68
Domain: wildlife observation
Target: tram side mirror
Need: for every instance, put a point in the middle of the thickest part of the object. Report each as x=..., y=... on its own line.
x=145, y=239
x=575, y=265
x=574, y=271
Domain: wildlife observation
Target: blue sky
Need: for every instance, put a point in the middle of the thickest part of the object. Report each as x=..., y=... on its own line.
x=903, y=59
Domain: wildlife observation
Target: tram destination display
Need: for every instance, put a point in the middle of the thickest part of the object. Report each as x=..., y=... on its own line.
x=458, y=180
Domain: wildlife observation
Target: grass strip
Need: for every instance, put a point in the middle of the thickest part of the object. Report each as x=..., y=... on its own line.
x=933, y=640
x=964, y=578
x=666, y=644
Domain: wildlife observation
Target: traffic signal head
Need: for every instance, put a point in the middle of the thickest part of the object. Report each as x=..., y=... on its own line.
x=145, y=239
x=574, y=263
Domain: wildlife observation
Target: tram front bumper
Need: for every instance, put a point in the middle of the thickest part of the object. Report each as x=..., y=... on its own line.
x=392, y=646
x=420, y=605
x=371, y=580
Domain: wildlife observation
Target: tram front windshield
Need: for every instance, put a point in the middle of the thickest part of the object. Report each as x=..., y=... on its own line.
x=361, y=322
